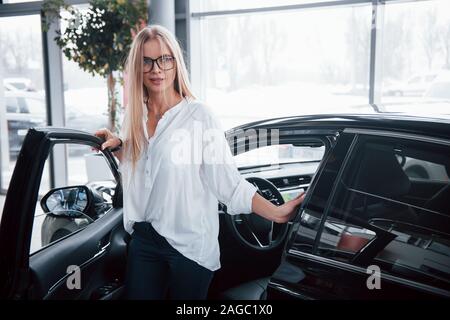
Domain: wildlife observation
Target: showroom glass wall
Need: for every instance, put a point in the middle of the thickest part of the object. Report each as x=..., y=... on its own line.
x=24, y=100
x=265, y=58
x=255, y=59
x=23, y=89
x=416, y=56
x=86, y=107
x=64, y=93
x=85, y=95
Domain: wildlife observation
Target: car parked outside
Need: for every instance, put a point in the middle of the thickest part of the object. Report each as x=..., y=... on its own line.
x=23, y=111
x=28, y=109
x=414, y=86
x=440, y=87
x=19, y=84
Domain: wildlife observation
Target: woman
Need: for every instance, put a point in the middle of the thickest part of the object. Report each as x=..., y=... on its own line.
x=173, y=176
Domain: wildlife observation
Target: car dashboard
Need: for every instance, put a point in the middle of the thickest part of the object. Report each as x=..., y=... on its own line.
x=290, y=179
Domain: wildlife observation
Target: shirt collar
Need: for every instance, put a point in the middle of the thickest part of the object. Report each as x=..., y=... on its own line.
x=169, y=113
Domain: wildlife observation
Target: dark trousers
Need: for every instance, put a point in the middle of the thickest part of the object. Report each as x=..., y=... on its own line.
x=155, y=270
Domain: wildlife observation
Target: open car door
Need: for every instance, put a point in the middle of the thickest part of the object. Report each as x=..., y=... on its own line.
x=66, y=242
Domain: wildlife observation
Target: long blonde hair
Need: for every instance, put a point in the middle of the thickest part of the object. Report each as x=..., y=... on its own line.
x=133, y=131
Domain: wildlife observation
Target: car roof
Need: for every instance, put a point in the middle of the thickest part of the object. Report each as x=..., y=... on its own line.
x=438, y=127
x=16, y=79
x=24, y=94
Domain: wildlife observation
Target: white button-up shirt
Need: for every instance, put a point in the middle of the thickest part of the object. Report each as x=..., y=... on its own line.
x=186, y=167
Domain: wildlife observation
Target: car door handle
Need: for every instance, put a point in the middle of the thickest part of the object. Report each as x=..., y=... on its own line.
x=102, y=250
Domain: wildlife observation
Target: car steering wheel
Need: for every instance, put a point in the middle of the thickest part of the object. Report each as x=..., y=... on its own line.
x=252, y=230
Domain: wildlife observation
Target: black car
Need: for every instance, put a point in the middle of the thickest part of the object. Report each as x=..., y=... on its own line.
x=25, y=110
x=370, y=227
x=20, y=118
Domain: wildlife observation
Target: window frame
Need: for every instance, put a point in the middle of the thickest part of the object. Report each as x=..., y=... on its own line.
x=112, y=166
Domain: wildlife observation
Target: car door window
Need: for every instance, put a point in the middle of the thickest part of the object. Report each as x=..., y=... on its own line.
x=64, y=210
x=380, y=189
x=305, y=234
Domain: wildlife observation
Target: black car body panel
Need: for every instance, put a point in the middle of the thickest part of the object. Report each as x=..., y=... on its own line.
x=435, y=127
x=100, y=248
x=306, y=275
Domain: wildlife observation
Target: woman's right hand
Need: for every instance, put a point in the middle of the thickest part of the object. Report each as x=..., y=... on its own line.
x=111, y=141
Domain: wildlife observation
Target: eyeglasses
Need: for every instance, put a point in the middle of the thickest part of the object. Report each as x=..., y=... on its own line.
x=164, y=63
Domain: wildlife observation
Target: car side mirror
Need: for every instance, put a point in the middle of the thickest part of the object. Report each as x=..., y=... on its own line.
x=73, y=202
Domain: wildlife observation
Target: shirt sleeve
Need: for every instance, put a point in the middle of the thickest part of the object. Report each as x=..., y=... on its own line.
x=220, y=172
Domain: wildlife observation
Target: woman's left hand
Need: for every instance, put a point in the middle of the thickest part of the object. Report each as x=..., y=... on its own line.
x=278, y=214
x=286, y=211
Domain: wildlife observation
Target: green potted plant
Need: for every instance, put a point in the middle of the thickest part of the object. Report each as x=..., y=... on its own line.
x=99, y=39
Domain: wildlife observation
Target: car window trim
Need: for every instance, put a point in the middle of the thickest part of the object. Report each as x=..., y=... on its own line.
x=356, y=269
x=330, y=143
x=398, y=135
x=333, y=192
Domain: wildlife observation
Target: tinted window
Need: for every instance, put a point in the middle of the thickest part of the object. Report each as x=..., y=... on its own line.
x=306, y=231
x=382, y=203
